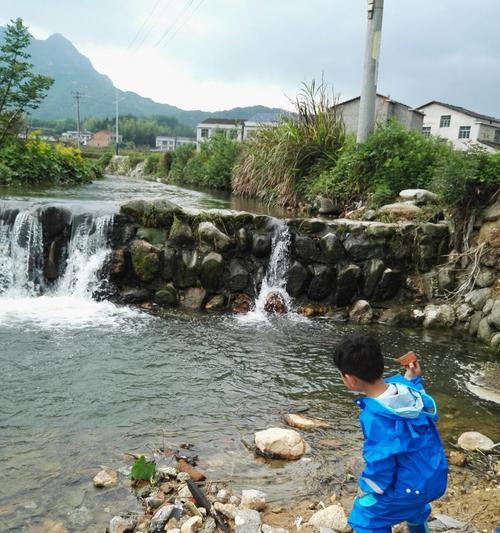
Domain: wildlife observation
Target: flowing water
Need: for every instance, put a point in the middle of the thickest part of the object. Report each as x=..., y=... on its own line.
x=84, y=381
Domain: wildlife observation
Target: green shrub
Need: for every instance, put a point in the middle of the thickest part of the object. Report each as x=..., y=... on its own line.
x=467, y=178
x=279, y=163
x=105, y=160
x=152, y=164
x=165, y=163
x=391, y=159
x=36, y=162
x=180, y=159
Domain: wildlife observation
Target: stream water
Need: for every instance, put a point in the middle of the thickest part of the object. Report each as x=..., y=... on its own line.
x=84, y=381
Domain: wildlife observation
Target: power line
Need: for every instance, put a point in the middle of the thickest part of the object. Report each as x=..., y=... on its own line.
x=184, y=23
x=143, y=24
x=169, y=29
x=153, y=26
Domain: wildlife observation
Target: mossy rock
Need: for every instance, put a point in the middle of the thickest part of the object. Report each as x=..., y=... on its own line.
x=167, y=296
x=154, y=213
x=145, y=260
x=152, y=235
x=211, y=272
x=181, y=232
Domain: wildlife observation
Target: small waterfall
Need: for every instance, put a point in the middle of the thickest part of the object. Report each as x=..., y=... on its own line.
x=22, y=256
x=279, y=262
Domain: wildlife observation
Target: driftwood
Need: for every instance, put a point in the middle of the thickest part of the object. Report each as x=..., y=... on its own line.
x=202, y=501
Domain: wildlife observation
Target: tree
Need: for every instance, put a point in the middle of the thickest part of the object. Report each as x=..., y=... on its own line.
x=20, y=88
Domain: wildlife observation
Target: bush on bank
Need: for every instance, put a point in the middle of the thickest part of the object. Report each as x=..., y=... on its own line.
x=211, y=166
x=33, y=162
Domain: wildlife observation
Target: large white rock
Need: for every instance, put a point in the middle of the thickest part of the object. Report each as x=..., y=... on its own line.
x=400, y=210
x=280, y=443
x=418, y=195
x=333, y=517
x=473, y=440
x=247, y=521
x=253, y=499
x=439, y=316
x=105, y=478
x=227, y=509
x=305, y=422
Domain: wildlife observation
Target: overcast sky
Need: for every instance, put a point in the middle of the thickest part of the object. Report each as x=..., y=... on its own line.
x=217, y=54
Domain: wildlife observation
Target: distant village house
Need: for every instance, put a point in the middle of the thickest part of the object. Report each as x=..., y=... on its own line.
x=461, y=126
x=385, y=109
x=169, y=144
x=103, y=139
x=72, y=137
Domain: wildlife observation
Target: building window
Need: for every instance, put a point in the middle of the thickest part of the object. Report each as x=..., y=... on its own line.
x=426, y=131
x=464, y=132
x=204, y=133
x=445, y=121
x=497, y=137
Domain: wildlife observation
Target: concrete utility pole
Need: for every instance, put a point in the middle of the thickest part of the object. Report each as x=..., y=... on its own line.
x=116, y=124
x=366, y=119
x=77, y=95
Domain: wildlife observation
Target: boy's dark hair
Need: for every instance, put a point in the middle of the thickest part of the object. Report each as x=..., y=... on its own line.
x=361, y=356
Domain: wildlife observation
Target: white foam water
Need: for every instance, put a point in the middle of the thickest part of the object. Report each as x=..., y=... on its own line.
x=25, y=299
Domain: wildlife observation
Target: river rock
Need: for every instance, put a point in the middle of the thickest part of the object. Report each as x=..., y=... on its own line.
x=446, y=278
x=333, y=517
x=347, y=284
x=237, y=279
x=228, y=510
x=488, y=306
x=271, y=529
x=261, y=245
x=328, y=207
x=192, y=524
x=305, y=422
x=322, y=282
x=478, y=297
x=297, y=279
x=211, y=271
x=494, y=317
x=332, y=248
x=122, y=525
x=186, y=274
x=216, y=303
x=275, y=303
x=247, y=521
x=145, y=260
x=51, y=526
x=439, y=316
x=490, y=234
x=242, y=303
x=361, y=312
x=457, y=458
x=193, y=298
x=400, y=210
x=280, y=443
x=105, y=478
x=372, y=272
x=310, y=310
x=484, y=331
x=167, y=296
x=242, y=240
x=306, y=248
x=473, y=440
x=361, y=248
x=486, y=278
x=170, y=261
x=253, y=499
x=495, y=342
x=421, y=196
x=463, y=312
x=161, y=517
x=134, y=296
x=210, y=234
x=152, y=235
x=181, y=233
x=117, y=263
x=474, y=323
x=389, y=285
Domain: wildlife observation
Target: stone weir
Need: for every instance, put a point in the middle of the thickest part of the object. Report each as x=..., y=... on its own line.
x=218, y=259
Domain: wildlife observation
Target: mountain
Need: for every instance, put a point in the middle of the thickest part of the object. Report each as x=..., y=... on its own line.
x=58, y=58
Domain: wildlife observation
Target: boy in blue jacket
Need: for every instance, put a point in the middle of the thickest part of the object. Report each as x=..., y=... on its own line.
x=405, y=466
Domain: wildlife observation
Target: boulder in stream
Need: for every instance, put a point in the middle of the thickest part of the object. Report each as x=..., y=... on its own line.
x=305, y=422
x=275, y=304
x=475, y=441
x=253, y=499
x=280, y=443
x=105, y=478
x=333, y=517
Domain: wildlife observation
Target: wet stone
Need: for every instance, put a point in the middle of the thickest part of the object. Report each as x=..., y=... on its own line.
x=322, y=283
x=247, y=521
x=306, y=248
x=297, y=279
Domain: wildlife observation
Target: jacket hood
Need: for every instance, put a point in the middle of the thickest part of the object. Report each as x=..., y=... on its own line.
x=409, y=401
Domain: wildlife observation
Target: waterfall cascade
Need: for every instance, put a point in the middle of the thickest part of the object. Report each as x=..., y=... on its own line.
x=23, y=256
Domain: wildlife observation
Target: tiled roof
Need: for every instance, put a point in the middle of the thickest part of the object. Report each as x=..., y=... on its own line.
x=462, y=110
x=228, y=121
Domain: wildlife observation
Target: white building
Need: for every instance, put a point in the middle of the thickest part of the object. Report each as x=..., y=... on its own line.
x=461, y=126
x=260, y=120
x=72, y=137
x=171, y=143
x=385, y=109
x=230, y=127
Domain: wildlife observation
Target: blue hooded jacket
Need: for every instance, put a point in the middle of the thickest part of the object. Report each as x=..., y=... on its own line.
x=405, y=461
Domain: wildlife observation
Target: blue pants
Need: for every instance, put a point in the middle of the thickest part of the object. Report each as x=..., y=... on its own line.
x=372, y=515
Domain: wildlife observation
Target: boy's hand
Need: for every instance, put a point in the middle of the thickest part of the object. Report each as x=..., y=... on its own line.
x=413, y=370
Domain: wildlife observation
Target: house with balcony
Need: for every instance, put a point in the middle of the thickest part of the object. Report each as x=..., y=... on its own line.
x=72, y=137
x=230, y=127
x=461, y=126
x=170, y=143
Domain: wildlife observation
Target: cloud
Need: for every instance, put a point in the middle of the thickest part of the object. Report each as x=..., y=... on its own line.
x=220, y=53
